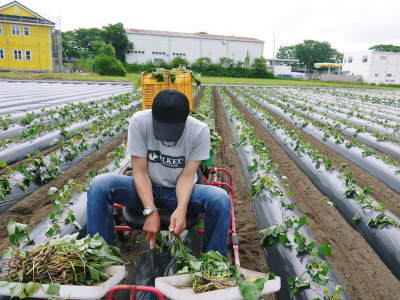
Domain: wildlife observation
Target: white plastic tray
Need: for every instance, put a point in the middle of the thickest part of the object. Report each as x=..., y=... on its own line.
x=79, y=292
x=176, y=287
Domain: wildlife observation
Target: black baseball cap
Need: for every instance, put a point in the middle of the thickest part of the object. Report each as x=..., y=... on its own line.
x=170, y=110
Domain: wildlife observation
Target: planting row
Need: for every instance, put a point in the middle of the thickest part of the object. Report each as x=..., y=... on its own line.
x=18, y=181
x=381, y=132
x=291, y=252
x=380, y=227
x=35, y=124
x=375, y=98
x=382, y=142
x=383, y=167
x=20, y=97
x=383, y=116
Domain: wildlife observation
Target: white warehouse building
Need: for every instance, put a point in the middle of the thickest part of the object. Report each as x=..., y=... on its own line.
x=373, y=66
x=164, y=45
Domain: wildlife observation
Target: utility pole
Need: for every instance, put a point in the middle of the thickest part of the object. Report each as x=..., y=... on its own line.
x=273, y=53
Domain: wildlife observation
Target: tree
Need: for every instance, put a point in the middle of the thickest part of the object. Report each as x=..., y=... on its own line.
x=247, y=60
x=179, y=61
x=310, y=52
x=286, y=52
x=116, y=36
x=108, y=65
x=201, y=64
x=79, y=43
x=226, y=62
x=385, y=48
x=259, y=67
x=101, y=48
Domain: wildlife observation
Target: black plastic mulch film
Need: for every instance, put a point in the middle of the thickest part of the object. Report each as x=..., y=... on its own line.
x=386, y=241
x=376, y=167
x=282, y=260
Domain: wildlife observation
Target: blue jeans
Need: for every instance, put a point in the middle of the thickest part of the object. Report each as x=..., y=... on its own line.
x=107, y=189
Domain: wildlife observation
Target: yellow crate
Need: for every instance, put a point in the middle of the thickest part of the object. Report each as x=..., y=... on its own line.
x=151, y=87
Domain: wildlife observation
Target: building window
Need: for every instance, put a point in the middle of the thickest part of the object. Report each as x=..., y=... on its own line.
x=28, y=55
x=1, y=53
x=17, y=54
x=382, y=57
x=388, y=75
x=26, y=31
x=1, y=28
x=350, y=59
x=376, y=74
x=364, y=59
x=14, y=29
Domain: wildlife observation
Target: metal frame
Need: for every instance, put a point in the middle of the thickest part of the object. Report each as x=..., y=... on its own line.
x=132, y=291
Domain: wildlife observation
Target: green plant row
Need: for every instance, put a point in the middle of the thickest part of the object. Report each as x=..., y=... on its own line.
x=334, y=132
x=387, y=98
x=204, y=113
x=42, y=170
x=60, y=118
x=353, y=191
x=351, y=110
x=264, y=170
x=384, y=137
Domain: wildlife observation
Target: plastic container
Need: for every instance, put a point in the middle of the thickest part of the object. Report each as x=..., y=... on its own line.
x=177, y=287
x=151, y=87
x=79, y=292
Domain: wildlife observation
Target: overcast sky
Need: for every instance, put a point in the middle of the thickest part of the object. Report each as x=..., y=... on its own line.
x=346, y=24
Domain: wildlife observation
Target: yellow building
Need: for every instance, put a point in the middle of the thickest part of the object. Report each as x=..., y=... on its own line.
x=25, y=39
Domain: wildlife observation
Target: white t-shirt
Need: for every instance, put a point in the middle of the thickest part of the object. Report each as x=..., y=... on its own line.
x=166, y=162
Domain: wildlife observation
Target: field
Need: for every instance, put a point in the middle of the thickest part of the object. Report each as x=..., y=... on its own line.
x=132, y=77
x=317, y=170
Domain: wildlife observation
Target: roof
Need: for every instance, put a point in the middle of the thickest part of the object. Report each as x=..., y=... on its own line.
x=194, y=35
x=38, y=19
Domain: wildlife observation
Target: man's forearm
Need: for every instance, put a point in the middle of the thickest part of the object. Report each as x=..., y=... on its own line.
x=144, y=189
x=184, y=189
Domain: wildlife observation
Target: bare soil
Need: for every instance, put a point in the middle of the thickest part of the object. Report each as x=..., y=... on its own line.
x=363, y=275
x=38, y=205
x=251, y=254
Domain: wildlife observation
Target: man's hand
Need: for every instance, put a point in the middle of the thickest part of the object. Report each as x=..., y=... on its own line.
x=152, y=228
x=178, y=221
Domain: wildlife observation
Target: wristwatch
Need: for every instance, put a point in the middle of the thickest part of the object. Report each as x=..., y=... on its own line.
x=148, y=211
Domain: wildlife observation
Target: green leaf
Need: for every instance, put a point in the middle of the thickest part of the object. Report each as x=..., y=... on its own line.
x=52, y=190
x=283, y=239
x=3, y=164
x=301, y=221
x=325, y=249
x=31, y=288
x=53, y=290
x=3, y=283
x=17, y=289
x=252, y=290
x=356, y=219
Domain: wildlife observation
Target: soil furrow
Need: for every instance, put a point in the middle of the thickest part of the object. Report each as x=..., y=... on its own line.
x=363, y=275
x=251, y=255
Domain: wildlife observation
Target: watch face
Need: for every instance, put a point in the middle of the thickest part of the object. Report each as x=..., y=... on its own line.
x=147, y=211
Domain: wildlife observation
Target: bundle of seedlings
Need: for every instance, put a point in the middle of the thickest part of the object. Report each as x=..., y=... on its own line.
x=67, y=261
x=212, y=271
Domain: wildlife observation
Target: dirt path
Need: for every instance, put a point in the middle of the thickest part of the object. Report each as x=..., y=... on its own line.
x=38, y=205
x=363, y=275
